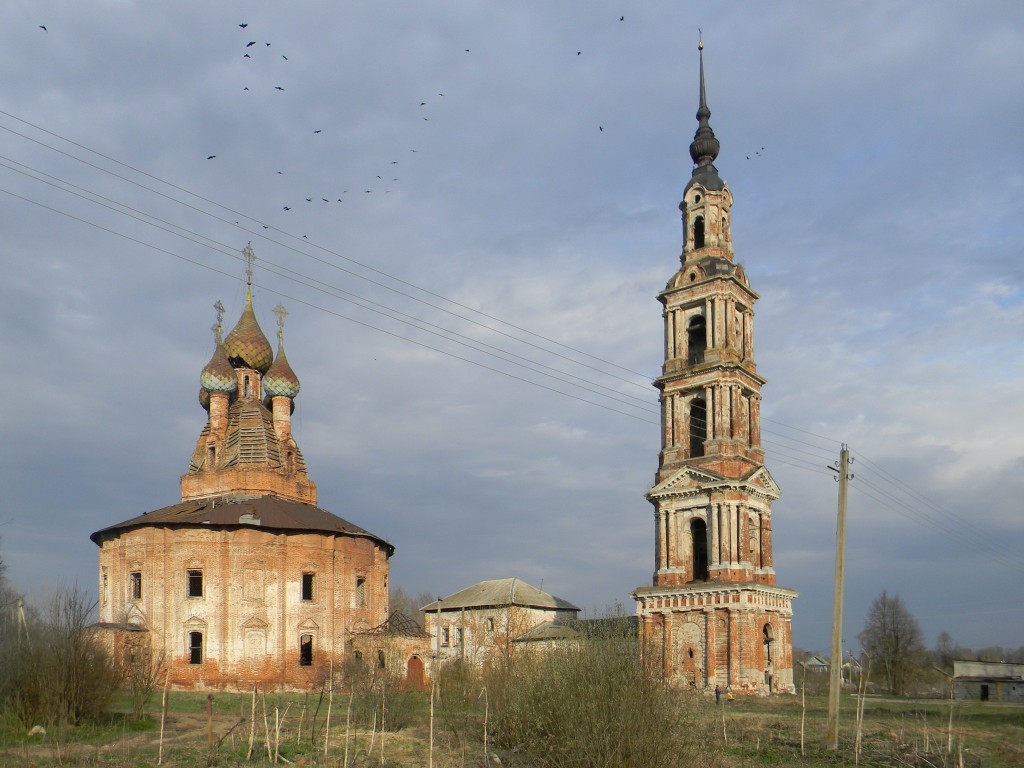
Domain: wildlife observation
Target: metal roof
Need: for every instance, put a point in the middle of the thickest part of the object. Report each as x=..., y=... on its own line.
x=498, y=593
x=269, y=512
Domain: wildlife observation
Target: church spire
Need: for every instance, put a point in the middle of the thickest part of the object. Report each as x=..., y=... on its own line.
x=705, y=147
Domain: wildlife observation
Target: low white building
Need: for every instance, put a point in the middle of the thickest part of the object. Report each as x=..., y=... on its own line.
x=481, y=624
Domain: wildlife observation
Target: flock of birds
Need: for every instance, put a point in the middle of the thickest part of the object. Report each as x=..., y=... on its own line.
x=252, y=48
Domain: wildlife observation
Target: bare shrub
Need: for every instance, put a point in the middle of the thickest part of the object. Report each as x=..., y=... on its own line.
x=590, y=703
x=58, y=671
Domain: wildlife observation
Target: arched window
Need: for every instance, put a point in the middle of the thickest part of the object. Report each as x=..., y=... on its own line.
x=380, y=660
x=698, y=427
x=699, y=540
x=195, y=647
x=696, y=340
x=306, y=651
x=768, y=639
x=245, y=386
x=698, y=232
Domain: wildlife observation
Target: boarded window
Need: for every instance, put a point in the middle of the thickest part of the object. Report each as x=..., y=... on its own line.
x=195, y=583
x=308, y=586
x=458, y=635
x=135, y=585
x=195, y=647
x=306, y=650
x=360, y=595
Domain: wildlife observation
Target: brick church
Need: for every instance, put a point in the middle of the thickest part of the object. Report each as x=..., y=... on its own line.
x=246, y=579
x=714, y=615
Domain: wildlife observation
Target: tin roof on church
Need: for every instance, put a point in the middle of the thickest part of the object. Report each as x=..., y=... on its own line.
x=498, y=593
x=270, y=512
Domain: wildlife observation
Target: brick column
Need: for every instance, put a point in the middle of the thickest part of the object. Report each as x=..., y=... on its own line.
x=711, y=663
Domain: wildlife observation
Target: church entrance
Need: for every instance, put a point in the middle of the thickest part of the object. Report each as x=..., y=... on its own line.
x=414, y=677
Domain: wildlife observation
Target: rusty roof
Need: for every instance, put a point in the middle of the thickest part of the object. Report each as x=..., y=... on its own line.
x=268, y=512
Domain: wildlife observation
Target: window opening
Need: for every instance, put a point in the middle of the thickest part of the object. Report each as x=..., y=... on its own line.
x=380, y=660
x=698, y=232
x=308, y=586
x=699, y=537
x=195, y=583
x=246, y=386
x=458, y=635
x=490, y=625
x=445, y=635
x=195, y=647
x=696, y=340
x=211, y=457
x=135, y=585
x=768, y=640
x=306, y=651
x=360, y=592
x=698, y=427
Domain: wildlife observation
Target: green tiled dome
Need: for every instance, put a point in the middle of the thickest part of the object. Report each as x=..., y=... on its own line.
x=280, y=379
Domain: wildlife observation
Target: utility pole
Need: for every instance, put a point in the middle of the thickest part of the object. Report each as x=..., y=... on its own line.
x=836, y=662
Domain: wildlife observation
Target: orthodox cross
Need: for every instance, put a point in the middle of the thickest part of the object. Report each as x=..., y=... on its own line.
x=281, y=313
x=217, y=328
x=250, y=257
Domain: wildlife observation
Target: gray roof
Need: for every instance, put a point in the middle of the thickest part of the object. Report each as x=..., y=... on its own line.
x=268, y=512
x=500, y=593
x=549, y=630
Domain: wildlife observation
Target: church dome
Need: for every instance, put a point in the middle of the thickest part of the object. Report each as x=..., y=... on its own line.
x=280, y=379
x=218, y=375
x=246, y=345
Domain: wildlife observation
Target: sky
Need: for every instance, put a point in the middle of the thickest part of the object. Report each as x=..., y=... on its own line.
x=475, y=323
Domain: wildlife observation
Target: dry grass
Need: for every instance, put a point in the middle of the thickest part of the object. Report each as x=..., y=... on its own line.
x=750, y=733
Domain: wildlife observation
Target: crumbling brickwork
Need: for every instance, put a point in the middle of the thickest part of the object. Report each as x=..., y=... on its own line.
x=714, y=615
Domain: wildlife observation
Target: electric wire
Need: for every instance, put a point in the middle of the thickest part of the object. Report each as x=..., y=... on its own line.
x=958, y=529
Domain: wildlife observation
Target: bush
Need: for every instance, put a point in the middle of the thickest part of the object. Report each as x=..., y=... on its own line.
x=592, y=704
x=59, y=673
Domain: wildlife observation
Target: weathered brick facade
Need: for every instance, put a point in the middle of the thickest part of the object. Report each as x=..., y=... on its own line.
x=245, y=580
x=713, y=615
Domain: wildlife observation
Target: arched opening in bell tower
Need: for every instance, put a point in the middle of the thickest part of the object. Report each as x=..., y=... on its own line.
x=699, y=542
x=696, y=340
x=698, y=427
x=768, y=644
x=698, y=232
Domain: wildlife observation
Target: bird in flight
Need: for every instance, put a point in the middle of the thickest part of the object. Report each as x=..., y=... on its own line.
x=243, y=26
x=317, y=131
x=278, y=88
x=622, y=18
x=43, y=27
x=211, y=157
x=287, y=208
x=250, y=44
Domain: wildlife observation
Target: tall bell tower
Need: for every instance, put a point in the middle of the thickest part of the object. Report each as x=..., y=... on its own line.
x=713, y=615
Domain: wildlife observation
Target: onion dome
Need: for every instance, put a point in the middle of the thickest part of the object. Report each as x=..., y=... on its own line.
x=246, y=346
x=218, y=375
x=280, y=379
x=705, y=147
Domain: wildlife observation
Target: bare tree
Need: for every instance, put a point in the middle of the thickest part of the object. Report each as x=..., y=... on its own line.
x=893, y=638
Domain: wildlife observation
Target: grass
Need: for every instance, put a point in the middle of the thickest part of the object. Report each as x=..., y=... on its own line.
x=752, y=732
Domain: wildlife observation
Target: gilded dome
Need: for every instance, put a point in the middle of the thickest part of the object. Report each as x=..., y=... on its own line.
x=280, y=379
x=246, y=346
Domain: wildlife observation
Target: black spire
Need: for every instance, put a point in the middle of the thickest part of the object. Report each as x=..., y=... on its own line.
x=704, y=147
